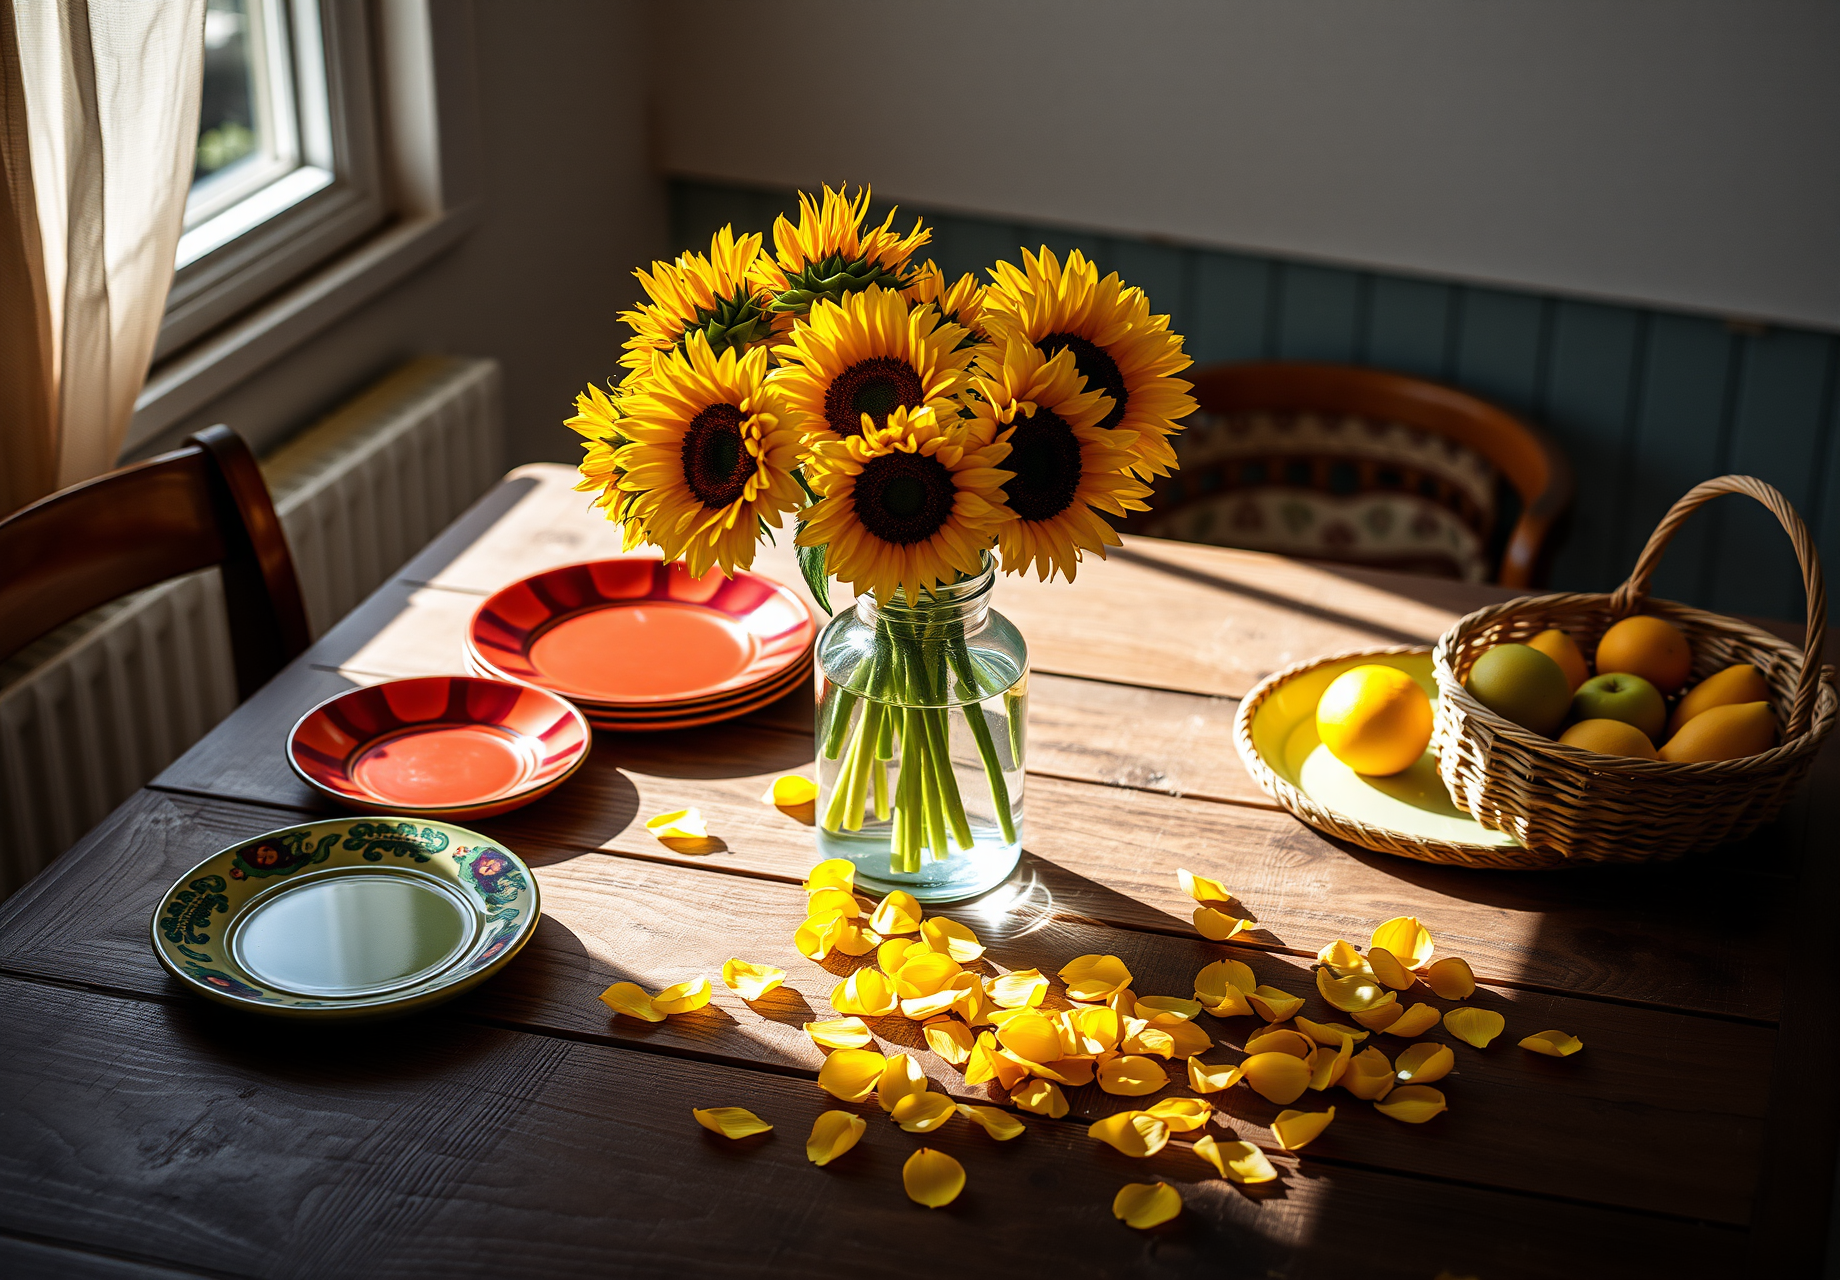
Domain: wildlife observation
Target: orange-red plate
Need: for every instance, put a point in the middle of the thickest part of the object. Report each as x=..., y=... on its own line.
x=636, y=633
x=439, y=746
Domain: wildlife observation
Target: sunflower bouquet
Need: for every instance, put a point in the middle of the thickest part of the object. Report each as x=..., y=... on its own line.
x=919, y=431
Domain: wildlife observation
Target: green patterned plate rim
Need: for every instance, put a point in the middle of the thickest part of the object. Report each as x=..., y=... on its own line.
x=359, y=917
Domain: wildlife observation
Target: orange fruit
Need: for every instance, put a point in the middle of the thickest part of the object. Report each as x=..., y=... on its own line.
x=1730, y=732
x=1652, y=648
x=1742, y=683
x=1374, y=719
x=1610, y=738
x=1562, y=649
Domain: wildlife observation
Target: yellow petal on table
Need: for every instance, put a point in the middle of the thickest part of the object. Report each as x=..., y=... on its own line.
x=920, y=1008
x=1408, y=940
x=1093, y=978
x=1451, y=978
x=1146, y=1204
x=1281, y=1040
x=1356, y=993
x=832, y=873
x=1218, y=926
x=1328, y=1066
x=1234, y=1004
x=679, y=824
x=840, y=1033
x=981, y=1066
x=995, y=1121
x=1272, y=1004
x=750, y=981
x=932, y=1178
x=925, y=974
x=1212, y=1077
x=1217, y=981
x=682, y=997
x=1131, y=1075
x=1276, y=1077
x=923, y=1112
x=1182, y=1115
x=899, y=912
x=1341, y=957
x=1043, y=1097
x=1099, y=1027
x=815, y=938
x=895, y=952
x=1021, y=988
x=789, y=791
x=730, y=1122
x=1554, y=1044
x=1174, y=1008
x=1381, y=1016
x=1140, y=1037
x=1387, y=969
x=1369, y=1075
x=1136, y=1133
x=1011, y=1070
x=1122, y=1002
x=1329, y=1033
x=866, y=993
x=852, y=1074
x=1412, y=1103
x=1202, y=888
x=1030, y=1036
x=1415, y=1021
x=1294, y=1129
x=632, y=1000
x=1237, y=1161
x=1474, y=1026
x=1424, y=1063
x=902, y=1077
x=824, y=901
x=974, y=1006
x=1072, y=1072
x=1186, y=1040
x=834, y=1133
x=951, y=938
x=854, y=940
x=950, y=1039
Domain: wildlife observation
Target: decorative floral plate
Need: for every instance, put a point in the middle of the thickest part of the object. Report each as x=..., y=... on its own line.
x=354, y=918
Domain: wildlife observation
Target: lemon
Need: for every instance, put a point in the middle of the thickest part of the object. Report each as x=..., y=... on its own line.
x=1374, y=719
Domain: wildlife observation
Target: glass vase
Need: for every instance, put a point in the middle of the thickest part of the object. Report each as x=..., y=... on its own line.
x=922, y=733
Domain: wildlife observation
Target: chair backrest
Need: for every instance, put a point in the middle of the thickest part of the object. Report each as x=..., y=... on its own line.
x=203, y=504
x=1532, y=465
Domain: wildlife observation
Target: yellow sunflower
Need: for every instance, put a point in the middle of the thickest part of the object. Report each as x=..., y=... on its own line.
x=961, y=303
x=708, y=456
x=909, y=505
x=1120, y=348
x=828, y=255
x=718, y=296
x=1066, y=468
x=597, y=418
x=867, y=357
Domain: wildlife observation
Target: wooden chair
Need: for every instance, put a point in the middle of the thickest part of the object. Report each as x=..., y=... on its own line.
x=1296, y=457
x=201, y=505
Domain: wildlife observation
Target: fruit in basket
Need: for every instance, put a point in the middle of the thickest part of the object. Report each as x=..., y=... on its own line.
x=1374, y=719
x=1621, y=696
x=1562, y=649
x=1521, y=684
x=1645, y=646
x=1609, y=738
x=1742, y=683
x=1730, y=732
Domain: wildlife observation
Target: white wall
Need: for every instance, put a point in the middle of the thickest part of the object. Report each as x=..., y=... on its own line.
x=1678, y=152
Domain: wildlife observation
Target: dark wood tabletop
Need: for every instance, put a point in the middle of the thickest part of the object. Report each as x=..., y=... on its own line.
x=524, y=1129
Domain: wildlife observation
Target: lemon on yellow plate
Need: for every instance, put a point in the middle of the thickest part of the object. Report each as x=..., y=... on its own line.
x=1375, y=719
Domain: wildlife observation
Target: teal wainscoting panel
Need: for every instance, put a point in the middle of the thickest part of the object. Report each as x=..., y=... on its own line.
x=1589, y=397
x=1064, y=242
x=1318, y=313
x=962, y=244
x=1231, y=305
x=1160, y=271
x=1500, y=347
x=1408, y=326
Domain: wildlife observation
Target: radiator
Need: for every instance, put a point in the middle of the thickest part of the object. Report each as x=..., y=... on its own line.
x=94, y=710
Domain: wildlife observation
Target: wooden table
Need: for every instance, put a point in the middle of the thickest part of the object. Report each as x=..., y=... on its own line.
x=525, y=1130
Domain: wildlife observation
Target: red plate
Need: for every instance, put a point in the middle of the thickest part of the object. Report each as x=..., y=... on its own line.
x=793, y=676
x=621, y=723
x=636, y=633
x=439, y=746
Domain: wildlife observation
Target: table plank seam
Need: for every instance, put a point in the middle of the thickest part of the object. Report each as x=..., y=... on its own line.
x=119, y=1255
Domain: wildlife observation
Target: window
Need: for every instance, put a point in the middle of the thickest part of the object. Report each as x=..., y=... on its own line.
x=286, y=169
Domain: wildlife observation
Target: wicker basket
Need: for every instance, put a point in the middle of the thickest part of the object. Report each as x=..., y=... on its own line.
x=1569, y=806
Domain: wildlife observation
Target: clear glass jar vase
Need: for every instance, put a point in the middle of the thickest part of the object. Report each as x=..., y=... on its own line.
x=922, y=734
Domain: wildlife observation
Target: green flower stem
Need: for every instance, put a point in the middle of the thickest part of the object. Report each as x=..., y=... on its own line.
x=878, y=772
x=840, y=790
x=980, y=733
x=938, y=731
x=907, y=803
x=930, y=792
x=862, y=755
x=839, y=723
x=1012, y=719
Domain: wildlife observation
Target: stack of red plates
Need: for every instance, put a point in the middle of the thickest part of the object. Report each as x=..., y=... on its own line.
x=641, y=644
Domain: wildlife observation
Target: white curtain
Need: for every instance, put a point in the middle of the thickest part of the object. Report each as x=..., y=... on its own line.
x=98, y=124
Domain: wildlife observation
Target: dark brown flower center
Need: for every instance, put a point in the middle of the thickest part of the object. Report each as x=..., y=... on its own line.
x=716, y=462
x=904, y=497
x=876, y=386
x=1098, y=368
x=1045, y=455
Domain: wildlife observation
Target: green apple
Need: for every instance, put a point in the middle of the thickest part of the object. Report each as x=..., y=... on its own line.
x=1620, y=696
x=1521, y=684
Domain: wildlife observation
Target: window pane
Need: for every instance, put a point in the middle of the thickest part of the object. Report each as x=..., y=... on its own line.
x=227, y=116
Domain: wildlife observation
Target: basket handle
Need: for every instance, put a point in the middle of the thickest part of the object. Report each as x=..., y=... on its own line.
x=1631, y=594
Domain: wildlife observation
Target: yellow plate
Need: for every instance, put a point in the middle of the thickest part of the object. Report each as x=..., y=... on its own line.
x=1414, y=804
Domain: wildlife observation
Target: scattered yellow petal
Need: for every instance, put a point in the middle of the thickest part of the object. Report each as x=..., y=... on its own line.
x=1329, y=1033
x=1272, y=1004
x=630, y=999
x=1408, y=940
x=1182, y=1114
x=1343, y=959
x=902, y=1077
x=1222, y=978
x=840, y=1033
x=1474, y=1026
x=1011, y=1070
x=1163, y=1011
x=1218, y=926
x=1412, y=1103
x=1030, y=1036
x=1146, y=1204
x=1328, y=1066
x=981, y=1066
x=1210, y=1077
x=1386, y=967
x=1423, y=1063
x=1451, y=978
x=1276, y=1077
x=1369, y=1076
x=923, y=1112
x=1100, y=1029
x=1281, y=1040
x=952, y=938
x=822, y=902
x=832, y=873
x=925, y=974
x=854, y=940
x=682, y=997
x=1024, y=988
x=1233, y=1004
x=1131, y=1075
x=750, y=981
x=1122, y=1002
x=866, y=993
x=1140, y=1037
x=1136, y=1133
x=974, y=1005
x=995, y=1121
x=1186, y=1040
x=815, y=938
x=932, y=1178
x=1294, y=1129
x=1201, y=888
x=851, y=1074
x=920, y=1008
x=789, y=792
x=1238, y=1161
x=834, y=1133
x=951, y=1040
x=899, y=912
x=1554, y=1044
x=1072, y=1072
x=679, y=824
x=1043, y=1097
x=1356, y=993
x=1382, y=1016
x=1093, y=978
x=895, y=952
x=730, y=1122
x=1415, y=1021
